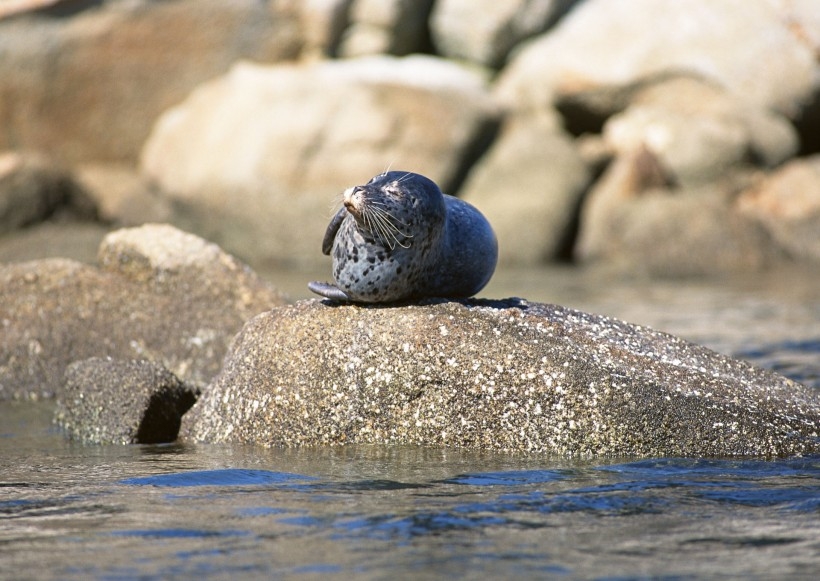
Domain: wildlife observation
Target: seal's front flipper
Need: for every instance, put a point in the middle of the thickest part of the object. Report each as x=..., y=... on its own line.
x=328, y=291
x=330, y=233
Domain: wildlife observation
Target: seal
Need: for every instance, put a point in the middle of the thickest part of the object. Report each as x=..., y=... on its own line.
x=398, y=237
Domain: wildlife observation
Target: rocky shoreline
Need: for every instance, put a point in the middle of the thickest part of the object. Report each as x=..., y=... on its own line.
x=167, y=319
x=653, y=136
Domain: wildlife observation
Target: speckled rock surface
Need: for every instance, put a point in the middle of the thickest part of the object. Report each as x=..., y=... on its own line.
x=107, y=401
x=160, y=294
x=504, y=375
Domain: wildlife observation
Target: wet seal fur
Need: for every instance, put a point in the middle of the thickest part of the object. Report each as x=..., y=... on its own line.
x=398, y=237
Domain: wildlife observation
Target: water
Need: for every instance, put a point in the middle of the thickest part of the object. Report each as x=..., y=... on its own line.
x=215, y=512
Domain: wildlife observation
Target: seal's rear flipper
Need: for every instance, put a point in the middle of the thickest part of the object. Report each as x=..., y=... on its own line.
x=328, y=291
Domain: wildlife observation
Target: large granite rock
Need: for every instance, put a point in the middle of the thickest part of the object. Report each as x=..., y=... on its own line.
x=106, y=401
x=86, y=80
x=159, y=294
x=494, y=375
x=757, y=49
x=255, y=159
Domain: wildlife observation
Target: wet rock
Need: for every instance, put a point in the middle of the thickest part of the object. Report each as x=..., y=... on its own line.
x=87, y=81
x=500, y=375
x=533, y=175
x=747, y=46
x=160, y=294
x=698, y=131
x=485, y=31
x=106, y=401
x=255, y=159
x=397, y=27
x=787, y=205
x=32, y=188
x=635, y=219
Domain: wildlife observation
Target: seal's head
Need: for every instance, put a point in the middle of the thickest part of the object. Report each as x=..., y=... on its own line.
x=396, y=209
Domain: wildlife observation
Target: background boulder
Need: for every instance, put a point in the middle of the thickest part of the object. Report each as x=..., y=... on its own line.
x=87, y=84
x=160, y=294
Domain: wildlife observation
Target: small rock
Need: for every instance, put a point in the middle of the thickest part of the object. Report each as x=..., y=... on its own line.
x=323, y=23
x=787, y=205
x=494, y=375
x=106, y=401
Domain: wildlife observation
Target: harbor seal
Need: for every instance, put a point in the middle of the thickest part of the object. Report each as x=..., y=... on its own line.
x=398, y=237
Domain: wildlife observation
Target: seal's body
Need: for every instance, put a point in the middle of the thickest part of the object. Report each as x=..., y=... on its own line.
x=398, y=237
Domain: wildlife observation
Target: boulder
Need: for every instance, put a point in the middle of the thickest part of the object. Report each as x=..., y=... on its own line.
x=529, y=186
x=33, y=188
x=747, y=46
x=787, y=205
x=397, y=27
x=635, y=220
x=254, y=160
x=485, y=31
x=494, y=375
x=87, y=81
x=159, y=294
x=698, y=131
x=106, y=401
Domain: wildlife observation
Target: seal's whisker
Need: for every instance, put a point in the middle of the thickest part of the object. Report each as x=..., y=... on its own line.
x=382, y=207
x=385, y=229
x=336, y=203
x=391, y=221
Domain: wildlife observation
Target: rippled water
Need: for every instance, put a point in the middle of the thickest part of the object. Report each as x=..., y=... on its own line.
x=216, y=512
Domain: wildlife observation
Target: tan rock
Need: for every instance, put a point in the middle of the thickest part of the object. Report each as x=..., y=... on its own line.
x=787, y=205
x=747, y=46
x=698, y=131
x=88, y=86
x=634, y=220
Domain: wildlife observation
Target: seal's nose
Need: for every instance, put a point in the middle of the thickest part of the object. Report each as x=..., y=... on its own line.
x=353, y=199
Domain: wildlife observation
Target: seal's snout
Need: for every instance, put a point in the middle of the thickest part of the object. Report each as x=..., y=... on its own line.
x=354, y=200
